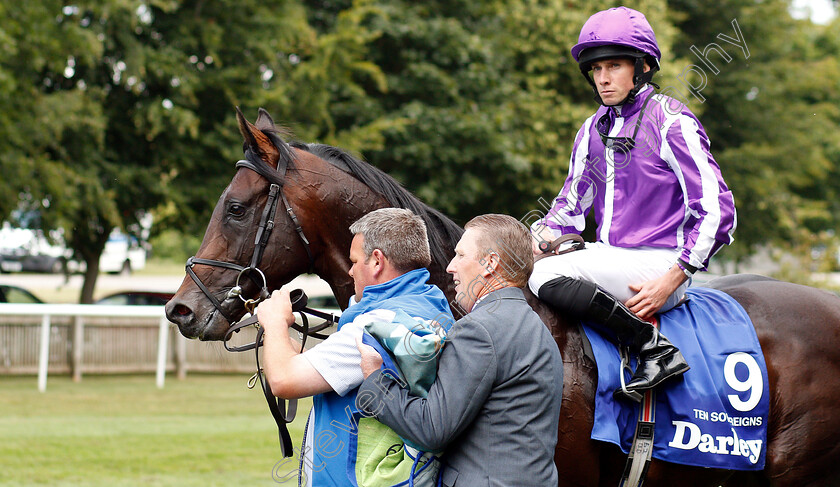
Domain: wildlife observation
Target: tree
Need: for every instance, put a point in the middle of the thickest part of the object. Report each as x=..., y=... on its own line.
x=116, y=108
x=132, y=105
x=769, y=115
x=482, y=99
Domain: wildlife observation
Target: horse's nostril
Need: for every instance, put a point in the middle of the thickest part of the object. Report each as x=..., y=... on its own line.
x=182, y=310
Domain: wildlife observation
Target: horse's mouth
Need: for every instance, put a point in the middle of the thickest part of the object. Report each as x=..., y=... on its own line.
x=206, y=330
x=214, y=328
x=206, y=323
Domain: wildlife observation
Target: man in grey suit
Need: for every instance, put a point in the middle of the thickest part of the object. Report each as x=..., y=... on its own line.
x=495, y=403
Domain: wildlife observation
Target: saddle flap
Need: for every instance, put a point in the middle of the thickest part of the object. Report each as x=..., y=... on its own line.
x=716, y=414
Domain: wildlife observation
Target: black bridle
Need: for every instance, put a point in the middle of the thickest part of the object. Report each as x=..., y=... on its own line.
x=282, y=416
x=260, y=242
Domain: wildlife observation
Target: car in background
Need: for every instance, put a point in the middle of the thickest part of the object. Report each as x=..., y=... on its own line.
x=9, y=264
x=326, y=302
x=26, y=247
x=27, y=250
x=136, y=298
x=123, y=254
x=18, y=295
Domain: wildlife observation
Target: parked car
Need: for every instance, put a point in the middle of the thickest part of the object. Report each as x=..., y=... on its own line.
x=9, y=264
x=16, y=294
x=326, y=303
x=23, y=249
x=123, y=254
x=136, y=298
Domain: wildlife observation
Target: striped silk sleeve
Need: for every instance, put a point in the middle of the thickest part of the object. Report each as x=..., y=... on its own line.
x=710, y=218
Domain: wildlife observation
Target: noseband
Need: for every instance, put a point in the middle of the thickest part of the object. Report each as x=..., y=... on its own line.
x=266, y=225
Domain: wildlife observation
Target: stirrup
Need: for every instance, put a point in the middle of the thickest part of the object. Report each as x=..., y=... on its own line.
x=625, y=365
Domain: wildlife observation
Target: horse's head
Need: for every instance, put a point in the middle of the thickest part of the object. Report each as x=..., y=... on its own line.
x=276, y=185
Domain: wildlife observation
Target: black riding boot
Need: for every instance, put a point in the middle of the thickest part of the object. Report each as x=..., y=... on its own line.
x=659, y=360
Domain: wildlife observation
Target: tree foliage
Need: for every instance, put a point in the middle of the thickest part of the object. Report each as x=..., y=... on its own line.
x=115, y=108
x=770, y=116
x=128, y=106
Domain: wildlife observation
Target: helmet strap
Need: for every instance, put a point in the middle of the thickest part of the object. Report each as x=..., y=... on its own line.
x=641, y=78
x=585, y=73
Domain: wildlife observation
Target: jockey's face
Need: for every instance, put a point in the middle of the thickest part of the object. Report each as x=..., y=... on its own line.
x=614, y=79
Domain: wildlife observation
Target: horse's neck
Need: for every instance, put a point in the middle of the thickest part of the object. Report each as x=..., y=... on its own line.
x=345, y=198
x=337, y=200
x=333, y=268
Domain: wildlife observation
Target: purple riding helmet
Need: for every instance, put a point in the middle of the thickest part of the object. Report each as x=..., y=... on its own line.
x=618, y=32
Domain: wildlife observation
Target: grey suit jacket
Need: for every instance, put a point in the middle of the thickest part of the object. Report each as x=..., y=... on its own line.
x=494, y=406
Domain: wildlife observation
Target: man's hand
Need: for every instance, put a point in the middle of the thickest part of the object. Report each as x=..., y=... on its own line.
x=651, y=295
x=276, y=311
x=543, y=234
x=289, y=374
x=371, y=360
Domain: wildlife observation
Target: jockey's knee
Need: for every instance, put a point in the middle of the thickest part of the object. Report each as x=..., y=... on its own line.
x=547, y=269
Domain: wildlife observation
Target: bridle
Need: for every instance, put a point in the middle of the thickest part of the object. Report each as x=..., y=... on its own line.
x=266, y=225
x=282, y=416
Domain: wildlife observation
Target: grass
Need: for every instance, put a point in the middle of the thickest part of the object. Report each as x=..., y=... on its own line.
x=206, y=430
x=63, y=294
x=162, y=267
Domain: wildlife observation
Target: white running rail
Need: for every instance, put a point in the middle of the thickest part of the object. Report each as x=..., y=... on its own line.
x=46, y=311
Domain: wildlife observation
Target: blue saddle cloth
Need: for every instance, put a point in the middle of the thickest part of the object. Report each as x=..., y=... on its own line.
x=716, y=414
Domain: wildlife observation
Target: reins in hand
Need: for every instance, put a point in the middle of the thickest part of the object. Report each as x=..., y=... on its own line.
x=282, y=415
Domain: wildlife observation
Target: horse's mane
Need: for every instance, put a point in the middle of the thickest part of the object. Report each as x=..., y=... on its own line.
x=443, y=232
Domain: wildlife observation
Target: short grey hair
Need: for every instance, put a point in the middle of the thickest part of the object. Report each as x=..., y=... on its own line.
x=399, y=234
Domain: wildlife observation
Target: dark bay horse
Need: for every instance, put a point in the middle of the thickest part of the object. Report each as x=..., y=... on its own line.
x=323, y=189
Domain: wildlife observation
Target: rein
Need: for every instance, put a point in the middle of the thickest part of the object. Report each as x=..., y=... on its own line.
x=277, y=407
x=282, y=416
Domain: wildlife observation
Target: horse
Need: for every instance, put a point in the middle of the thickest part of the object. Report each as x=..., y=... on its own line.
x=324, y=189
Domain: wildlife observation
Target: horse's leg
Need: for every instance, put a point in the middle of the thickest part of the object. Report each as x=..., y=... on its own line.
x=799, y=331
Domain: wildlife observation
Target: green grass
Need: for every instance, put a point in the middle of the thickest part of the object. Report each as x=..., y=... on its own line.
x=162, y=267
x=206, y=430
x=49, y=294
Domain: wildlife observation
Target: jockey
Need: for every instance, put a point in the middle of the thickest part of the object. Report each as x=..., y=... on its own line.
x=642, y=163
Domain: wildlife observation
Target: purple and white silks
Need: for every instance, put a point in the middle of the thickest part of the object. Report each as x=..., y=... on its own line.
x=666, y=192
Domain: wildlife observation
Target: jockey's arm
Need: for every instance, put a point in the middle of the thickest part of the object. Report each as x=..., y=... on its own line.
x=651, y=295
x=289, y=374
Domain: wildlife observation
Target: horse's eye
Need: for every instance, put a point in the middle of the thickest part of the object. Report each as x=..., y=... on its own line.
x=236, y=210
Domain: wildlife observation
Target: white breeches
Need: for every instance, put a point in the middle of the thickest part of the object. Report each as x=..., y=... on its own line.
x=612, y=268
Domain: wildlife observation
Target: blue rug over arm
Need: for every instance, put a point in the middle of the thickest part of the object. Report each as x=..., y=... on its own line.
x=716, y=415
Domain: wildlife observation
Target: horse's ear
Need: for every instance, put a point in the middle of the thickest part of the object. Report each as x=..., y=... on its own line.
x=245, y=128
x=256, y=140
x=264, y=121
